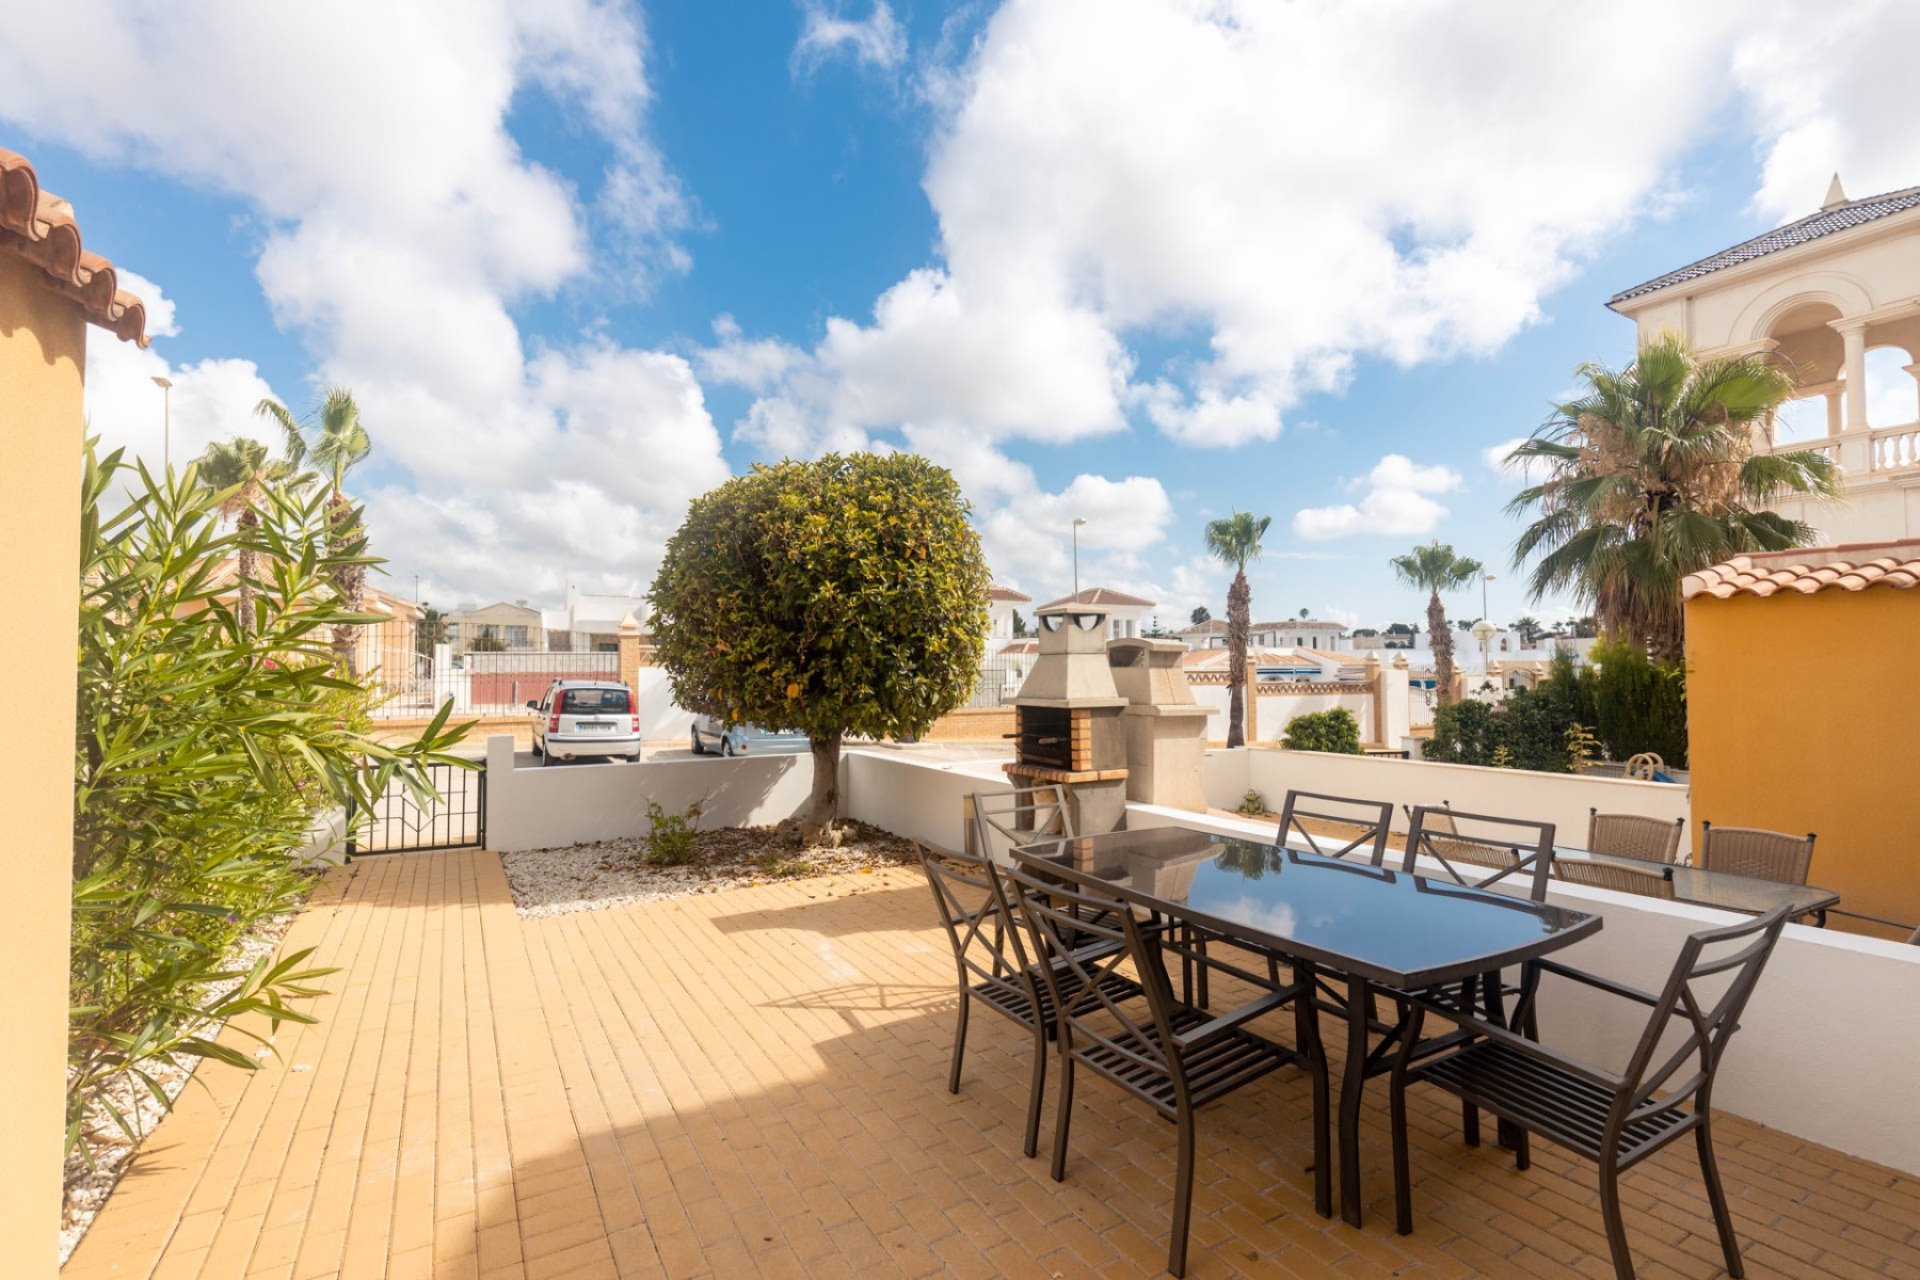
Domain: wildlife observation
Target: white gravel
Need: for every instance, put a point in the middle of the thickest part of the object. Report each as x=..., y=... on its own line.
x=614, y=873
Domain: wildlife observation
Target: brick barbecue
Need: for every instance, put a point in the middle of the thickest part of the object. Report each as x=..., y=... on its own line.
x=1069, y=719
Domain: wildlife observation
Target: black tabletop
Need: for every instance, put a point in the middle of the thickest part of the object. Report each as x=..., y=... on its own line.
x=1387, y=926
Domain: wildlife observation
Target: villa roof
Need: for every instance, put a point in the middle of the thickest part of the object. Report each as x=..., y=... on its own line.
x=1211, y=627
x=1006, y=595
x=1807, y=570
x=1101, y=595
x=39, y=226
x=1836, y=216
x=1306, y=624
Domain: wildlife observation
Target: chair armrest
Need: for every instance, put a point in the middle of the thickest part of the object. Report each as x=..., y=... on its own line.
x=1216, y=1027
x=1594, y=980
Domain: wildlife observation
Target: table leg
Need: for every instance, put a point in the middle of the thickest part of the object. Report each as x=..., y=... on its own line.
x=1306, y=1030
x=1353, y=1078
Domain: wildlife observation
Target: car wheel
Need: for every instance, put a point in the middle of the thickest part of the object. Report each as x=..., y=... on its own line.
x=697, y=748
x=726, y=747
x=536, y=747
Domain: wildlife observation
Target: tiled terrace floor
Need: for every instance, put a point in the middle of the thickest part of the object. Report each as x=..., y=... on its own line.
x=751, y=1084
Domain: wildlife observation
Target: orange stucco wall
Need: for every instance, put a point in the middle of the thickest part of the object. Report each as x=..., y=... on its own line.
x=42, y=360
x=1804, y=715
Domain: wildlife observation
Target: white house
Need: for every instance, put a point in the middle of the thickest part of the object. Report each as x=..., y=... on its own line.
x=590, y=623
x=1127, y=616
x=1298, y=633
x=1002, y=604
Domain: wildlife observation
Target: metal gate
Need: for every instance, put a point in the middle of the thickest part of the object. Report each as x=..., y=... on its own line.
x=399, y=823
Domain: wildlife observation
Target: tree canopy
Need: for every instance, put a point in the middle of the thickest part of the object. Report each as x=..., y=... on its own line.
x=1651, y=474
x=1437, y=567
x=846, y=595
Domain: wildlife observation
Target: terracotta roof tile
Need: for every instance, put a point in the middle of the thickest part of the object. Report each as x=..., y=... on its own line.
x=1809, y=570
x=1006, y=595
x=39, y=226
x=1101, y=595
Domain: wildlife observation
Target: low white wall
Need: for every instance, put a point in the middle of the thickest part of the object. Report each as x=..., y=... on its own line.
x=920, y=800
x=542, y=808
x=660, y=716
x=1562, y=799
x=1825, y=1049
x=1223, y=776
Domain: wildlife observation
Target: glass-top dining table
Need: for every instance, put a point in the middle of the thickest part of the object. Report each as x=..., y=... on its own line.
x=1722, y=889
x=1377, y=929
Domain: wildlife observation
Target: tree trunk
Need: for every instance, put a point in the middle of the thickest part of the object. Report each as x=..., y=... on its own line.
x=244, y=566
x=1239, y=601
x=346, y=537
x=1442, y=637
x=824, y=810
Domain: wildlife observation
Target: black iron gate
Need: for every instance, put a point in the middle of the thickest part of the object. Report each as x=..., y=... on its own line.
x=399, y=823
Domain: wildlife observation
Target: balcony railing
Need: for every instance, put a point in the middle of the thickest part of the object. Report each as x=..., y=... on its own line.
x=1875, y=452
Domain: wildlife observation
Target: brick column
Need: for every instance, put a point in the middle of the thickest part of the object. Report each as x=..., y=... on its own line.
x=630, y=653
x=1377, y=683
x=1253, y=704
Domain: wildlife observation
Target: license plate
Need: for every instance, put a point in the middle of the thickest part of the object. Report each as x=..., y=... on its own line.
x=594, y=726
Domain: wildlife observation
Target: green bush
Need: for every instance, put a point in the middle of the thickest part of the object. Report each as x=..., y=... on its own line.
x=1334, y=730
x=1639, y=705
x=670, y=835
x=204, y=754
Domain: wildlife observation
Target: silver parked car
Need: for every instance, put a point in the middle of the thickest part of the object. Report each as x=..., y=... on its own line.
x=579, y=719
x=709, y=734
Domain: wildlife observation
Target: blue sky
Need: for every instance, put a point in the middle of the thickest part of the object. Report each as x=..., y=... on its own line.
x=1143, y=261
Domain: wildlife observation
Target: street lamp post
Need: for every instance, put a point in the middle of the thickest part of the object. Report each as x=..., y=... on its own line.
x=166, y=418
x=1485, y=578
x=1077, y=522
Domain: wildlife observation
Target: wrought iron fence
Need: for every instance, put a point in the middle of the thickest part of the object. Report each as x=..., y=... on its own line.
x=503, y=682
x=999, y=681
x=455, y=818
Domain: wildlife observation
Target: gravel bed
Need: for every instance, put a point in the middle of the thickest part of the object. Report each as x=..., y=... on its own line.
x=615, y=873
x=87, y=1186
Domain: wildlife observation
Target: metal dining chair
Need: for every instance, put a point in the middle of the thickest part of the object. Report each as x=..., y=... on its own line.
x=1608, y=875
x=1515, y=847
x=1614, y=1119
x=1750, y=851
x=1632, y=835
x=991, y=957
x=1372, y=819
x=1176, y=1058
x=1016, y=816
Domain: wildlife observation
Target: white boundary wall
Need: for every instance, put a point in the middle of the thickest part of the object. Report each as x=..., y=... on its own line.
x=1825, y=1050
x=542, y=808
x=921, y=800
x=1562, y=799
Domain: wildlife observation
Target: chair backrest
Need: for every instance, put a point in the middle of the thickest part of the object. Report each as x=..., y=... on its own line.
x=987, y=941
x=1740, y=950
x=1371, y=819
x=1630, y=835
x=1610, y=875
x=1017, y=816
x=1067, y=925
x=1513, y=847
x=1750, y=851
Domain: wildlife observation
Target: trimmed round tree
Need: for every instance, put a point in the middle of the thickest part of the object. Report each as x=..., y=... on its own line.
x=846, y=595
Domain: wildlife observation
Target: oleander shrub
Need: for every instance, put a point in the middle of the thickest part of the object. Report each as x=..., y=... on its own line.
x=204, y=753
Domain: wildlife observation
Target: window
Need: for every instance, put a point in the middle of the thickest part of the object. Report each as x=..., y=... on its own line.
x=517, y=637
x=588, y=702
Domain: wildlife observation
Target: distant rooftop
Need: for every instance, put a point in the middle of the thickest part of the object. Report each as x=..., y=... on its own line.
x=1838, y=214
x=1305, y=624
x=1102, y=595
x=1007, y=595
x=1805, y=570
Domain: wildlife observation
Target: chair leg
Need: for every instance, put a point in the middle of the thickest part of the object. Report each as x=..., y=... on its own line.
x=1610, y=1217
x=1717, y=1196
x=1037, y=1091
x=1470, y=1123
x=1064, y=1117
x=959, y=1041
x=1182, y=1197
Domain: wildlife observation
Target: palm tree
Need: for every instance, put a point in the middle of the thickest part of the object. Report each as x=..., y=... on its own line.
x=1652, y=474
x=1234, y=541
x=240, y=472
x=1530, y=630
x=333, y=439
x=1437, y=568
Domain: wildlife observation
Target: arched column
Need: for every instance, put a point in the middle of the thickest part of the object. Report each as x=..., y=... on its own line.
x=1853, y=338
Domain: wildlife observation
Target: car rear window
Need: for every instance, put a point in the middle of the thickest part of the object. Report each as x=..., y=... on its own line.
x=588, y=702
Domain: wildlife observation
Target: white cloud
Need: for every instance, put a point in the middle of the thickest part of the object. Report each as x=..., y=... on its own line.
x=1397, y=501
x=1824, y=94
x=1523, y=471
x=1109, y=168
x=877, y=41
x=211, y=399
x=1345, y=617
x=399, y=224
